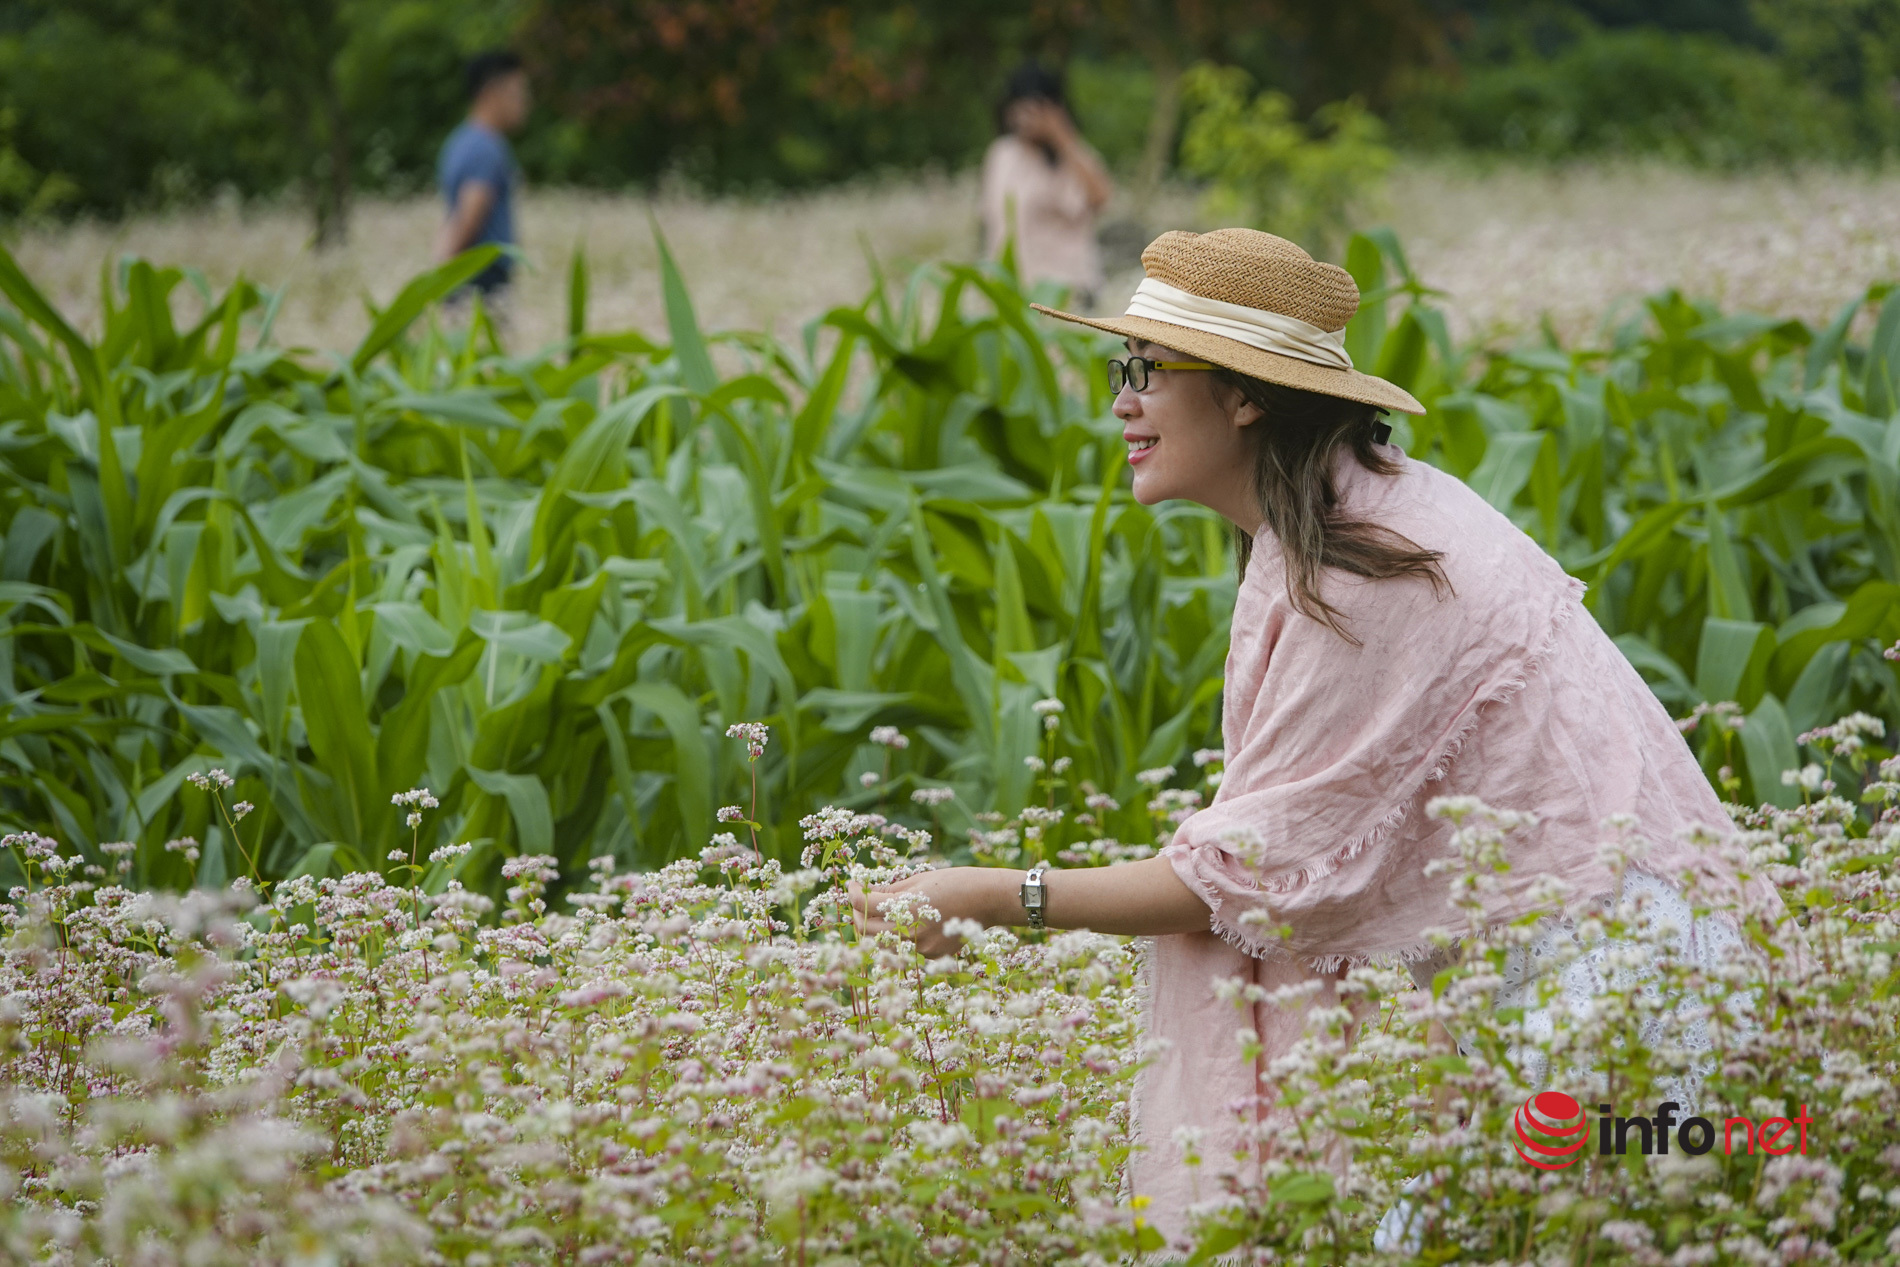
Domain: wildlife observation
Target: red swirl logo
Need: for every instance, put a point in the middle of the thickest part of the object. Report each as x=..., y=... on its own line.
x=1551, y=1130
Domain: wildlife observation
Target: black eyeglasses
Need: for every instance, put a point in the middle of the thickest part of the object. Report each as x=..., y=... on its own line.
x=1133, y=372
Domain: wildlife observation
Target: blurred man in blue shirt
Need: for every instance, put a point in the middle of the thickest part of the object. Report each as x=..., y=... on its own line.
x=477, y=169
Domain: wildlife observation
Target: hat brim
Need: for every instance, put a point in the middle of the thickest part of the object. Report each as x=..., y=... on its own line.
x=1271, y=367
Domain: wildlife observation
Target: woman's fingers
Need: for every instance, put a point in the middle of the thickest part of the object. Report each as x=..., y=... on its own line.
x=868, y=912
x=869, y=901
x=867, y=907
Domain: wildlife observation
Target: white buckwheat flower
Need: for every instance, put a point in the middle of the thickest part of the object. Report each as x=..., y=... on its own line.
x=1809, y=778
x=755, y=735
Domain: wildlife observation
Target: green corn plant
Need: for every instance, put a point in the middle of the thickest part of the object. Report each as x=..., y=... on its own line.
x=544, y=585
x=1725, y=484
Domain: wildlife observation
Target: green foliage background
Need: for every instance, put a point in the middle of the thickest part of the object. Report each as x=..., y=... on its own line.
x=1692, y=98
x=1267, y=170
x=116, y=105
x=545, y=585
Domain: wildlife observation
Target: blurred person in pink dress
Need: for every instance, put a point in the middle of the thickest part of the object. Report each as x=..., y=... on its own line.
x=1043, y=185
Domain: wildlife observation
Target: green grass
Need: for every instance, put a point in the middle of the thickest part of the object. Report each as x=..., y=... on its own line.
x=544, y=585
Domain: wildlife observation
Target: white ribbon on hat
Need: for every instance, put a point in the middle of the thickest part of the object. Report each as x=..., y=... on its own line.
x=1256, y=327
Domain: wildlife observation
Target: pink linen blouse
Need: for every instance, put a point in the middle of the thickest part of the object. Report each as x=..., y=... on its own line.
x=1504, y=688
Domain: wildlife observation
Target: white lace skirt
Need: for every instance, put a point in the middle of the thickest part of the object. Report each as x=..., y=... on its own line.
x=1584, y=973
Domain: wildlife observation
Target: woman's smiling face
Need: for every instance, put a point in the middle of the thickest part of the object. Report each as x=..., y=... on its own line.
x=1185, y=441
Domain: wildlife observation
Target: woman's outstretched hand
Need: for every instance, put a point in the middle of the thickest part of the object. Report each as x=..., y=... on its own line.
x=1132, y=898
x=983, y=894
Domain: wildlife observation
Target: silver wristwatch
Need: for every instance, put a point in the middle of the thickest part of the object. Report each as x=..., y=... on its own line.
x=1035, y=894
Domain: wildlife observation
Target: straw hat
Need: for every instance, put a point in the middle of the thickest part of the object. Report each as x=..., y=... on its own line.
x=1253, y=303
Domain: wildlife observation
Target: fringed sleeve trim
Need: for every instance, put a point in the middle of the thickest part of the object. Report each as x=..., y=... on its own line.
x=1227, y=927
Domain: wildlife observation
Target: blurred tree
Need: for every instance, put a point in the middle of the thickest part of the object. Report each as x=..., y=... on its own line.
x=743, y=91
x=1170, y=37
x=1851, y=48
x=750, y=91
x=1324, y=50
x=1320, y=50
x=1685, y=97
x=1266, y=169
x=283, y=57
x=1473, y=23
x=131, y=98
x=1702, y=81
x=24, y=189
x=129, y=102
x=110, y=120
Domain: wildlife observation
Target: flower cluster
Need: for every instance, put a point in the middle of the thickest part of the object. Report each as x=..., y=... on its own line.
x=1809, y=778
x=681, y=1070
x=755, y=734
x=1174, y=805
x=417, y=799
x=1101, y=853
x=1848, y=736
x=1725, y=716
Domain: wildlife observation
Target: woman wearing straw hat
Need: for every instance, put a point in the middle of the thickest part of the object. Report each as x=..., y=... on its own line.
x=1394, y=639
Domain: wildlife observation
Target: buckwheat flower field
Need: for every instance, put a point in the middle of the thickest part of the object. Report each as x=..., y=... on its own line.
x=695, y=1064
x=434, y=775
x=703, y=1063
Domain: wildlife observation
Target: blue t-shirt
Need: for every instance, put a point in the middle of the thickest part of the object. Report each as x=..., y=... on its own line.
x=473, y=152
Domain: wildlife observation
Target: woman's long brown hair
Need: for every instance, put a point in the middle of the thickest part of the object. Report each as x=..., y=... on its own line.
x=1295, y=444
